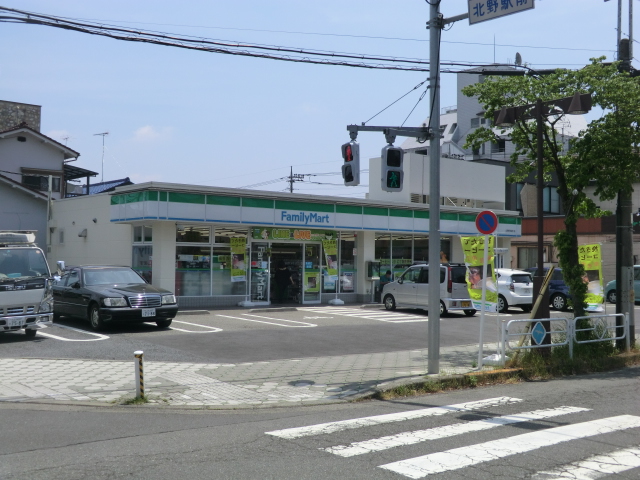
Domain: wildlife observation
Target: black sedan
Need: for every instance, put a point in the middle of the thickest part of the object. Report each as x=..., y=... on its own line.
x=105, y=294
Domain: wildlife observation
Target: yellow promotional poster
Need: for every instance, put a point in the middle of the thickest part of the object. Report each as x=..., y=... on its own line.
x=590, y=256
x=238, y=264
x=311, y=282
x=473, y=248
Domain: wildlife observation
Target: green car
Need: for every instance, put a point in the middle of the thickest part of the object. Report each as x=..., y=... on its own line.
x=610, y=288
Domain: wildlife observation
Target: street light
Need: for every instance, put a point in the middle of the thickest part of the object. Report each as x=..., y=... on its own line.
x=578, y=104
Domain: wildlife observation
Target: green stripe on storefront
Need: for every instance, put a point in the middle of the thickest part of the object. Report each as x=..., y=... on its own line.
x=465, y=217
x=420, y=214
x=195, y=198
x=380, y=212
x=257, y=203
x=350, y=209
x=400, y=213
x=225, y=201
x=449, y=216
x=164, y=196
x=310, y=207
x=117, y=199
x=151, y=196
x=509, y=220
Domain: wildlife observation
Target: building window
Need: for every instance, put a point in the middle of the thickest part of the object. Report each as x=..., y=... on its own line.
x=551, y=200
x=61, y=237
x=498, y=146
x=475, y=122
x=193, y=234
x=142, y=234
x=41, y=183
x=527, y=257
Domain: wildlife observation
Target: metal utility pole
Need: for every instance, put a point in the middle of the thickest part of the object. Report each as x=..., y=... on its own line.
x=433, y=340
x=292, y=178
x=102, y=174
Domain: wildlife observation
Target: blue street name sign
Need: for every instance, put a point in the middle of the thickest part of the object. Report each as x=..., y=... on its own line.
x=483, y=10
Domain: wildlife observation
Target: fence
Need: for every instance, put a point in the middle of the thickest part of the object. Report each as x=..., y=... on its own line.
x=561, y=331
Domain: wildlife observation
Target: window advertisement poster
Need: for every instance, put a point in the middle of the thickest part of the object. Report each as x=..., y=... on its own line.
x=330, y=248
x=473, y=248
x=238, y=264
x=311, y=282
x=590, y=257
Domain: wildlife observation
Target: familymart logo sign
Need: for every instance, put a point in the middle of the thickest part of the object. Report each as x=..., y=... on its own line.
x=305, y=218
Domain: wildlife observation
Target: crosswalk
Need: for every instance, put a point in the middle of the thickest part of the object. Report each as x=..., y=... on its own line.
x=370, y=314
x=570, y=427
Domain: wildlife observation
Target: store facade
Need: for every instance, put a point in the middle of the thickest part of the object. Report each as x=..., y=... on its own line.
x=220, y=247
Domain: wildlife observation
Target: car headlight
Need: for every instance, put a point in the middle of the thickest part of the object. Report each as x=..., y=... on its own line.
x=166, y=299
x=46, y=305
x=114, y=302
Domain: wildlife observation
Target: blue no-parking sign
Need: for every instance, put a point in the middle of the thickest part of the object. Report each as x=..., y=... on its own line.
x=487, y=222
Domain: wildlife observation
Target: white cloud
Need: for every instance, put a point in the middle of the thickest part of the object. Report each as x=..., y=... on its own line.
x=149, y=133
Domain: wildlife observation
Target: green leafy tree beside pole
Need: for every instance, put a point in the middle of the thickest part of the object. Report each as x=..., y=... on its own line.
x=604, y=155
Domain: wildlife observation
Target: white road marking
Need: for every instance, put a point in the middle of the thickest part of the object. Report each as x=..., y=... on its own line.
x=331, y=427
x=303, y=324
x=457, y=458
x=50, y=335
x=596, y=466
x=381, y=316
x=209, y=329
x=417, y=436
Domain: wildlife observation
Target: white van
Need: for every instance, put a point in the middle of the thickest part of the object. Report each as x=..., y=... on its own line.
x=411, y=290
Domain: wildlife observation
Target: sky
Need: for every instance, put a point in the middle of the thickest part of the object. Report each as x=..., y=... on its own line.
x=199, y=118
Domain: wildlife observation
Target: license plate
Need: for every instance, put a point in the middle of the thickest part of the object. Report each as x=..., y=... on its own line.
x=148, y=312
x=466, y=304
x=15, y=322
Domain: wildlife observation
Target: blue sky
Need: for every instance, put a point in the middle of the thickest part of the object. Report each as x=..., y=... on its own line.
x=183, y=116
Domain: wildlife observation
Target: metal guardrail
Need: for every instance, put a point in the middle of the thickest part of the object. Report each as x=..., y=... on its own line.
x=562, y=331
x=603, y=328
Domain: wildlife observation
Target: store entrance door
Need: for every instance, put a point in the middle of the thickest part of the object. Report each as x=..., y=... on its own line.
x=282, y=290
x=303, y=261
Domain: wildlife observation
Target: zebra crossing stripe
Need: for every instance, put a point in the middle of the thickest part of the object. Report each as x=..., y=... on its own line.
x=417, y=436
x=331, y=427
x=596, y=466
x=457, y=458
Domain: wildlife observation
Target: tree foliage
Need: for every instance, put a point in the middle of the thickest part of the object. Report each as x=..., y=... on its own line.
x=604, y=155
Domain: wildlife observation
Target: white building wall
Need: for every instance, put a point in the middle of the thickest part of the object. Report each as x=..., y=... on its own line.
x=458, y=179
x=21, y=211
x=365, y=250
x=164, y=254
x=34, y=154
x=106, y=243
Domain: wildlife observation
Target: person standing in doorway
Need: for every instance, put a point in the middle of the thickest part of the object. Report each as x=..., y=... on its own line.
x=384, y=280
x=282, y=278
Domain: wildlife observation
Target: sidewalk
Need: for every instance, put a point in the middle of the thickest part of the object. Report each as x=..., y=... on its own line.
x=275, y=383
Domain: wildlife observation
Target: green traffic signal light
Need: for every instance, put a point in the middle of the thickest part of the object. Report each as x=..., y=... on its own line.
x=393, y=179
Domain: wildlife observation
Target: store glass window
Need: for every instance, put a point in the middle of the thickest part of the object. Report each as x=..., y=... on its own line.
x=401, y=254
x=421, y=249
x=142, y=255
x=383, y=252
x=347, y=262
x=193, y=270
x=193, y=234
x=230, y=265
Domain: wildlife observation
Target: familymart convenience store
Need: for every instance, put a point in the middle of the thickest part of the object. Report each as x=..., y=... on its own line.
x=223, y=245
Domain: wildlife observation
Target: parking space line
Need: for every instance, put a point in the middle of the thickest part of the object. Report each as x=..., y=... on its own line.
x=304, y=324
x=209, y=329
x=50, y=335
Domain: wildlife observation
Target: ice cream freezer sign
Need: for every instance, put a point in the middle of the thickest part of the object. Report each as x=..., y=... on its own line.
x=482, y=10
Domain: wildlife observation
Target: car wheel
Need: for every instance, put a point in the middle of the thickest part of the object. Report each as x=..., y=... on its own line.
x=94, y=317
x=443, y=309
x=164, y=323
x=559, y=302
x=470, y=312
x=389, y=302
x=526, y=308
x=30, y=333
x=611, y=296
x=503, y=306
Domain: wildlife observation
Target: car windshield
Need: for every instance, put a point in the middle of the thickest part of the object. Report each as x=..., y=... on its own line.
x=111, y=276
x=22, y=262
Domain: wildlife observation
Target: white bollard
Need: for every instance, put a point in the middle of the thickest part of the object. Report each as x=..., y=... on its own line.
x=139, y=369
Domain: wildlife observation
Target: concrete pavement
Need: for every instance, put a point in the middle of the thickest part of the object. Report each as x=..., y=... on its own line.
x=241, y=385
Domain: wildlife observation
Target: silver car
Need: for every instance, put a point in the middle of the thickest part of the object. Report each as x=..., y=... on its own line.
x=515, y=289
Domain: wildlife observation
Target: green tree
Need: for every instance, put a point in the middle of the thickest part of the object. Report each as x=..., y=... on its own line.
x=605, y=154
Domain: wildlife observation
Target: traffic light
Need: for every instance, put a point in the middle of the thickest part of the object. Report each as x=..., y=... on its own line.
x=351, y=167
x=392, y=174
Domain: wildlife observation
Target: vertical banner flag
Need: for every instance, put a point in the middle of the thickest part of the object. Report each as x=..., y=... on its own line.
x=590, y=256
x=473, y=248
x=238, y=264
x=331, y=257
